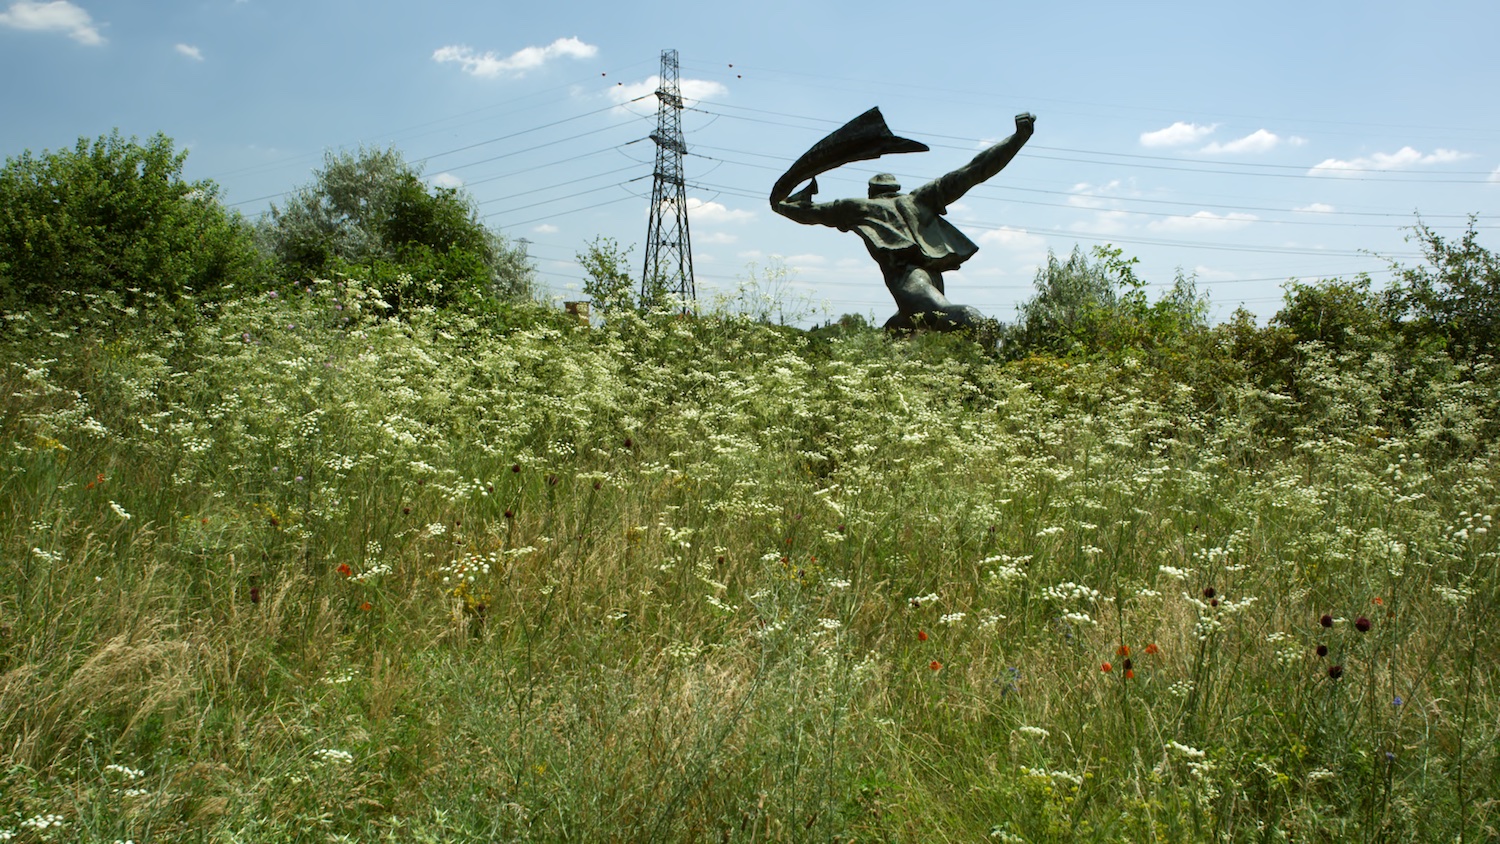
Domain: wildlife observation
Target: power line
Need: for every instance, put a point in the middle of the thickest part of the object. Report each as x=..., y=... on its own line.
x=1304, y=175
x=560, y=198
x=984, y=190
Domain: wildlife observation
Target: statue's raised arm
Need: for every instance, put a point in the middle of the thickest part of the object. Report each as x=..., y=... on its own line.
x=946, y=190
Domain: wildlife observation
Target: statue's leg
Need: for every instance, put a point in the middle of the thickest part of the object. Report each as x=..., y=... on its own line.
x=919, y=296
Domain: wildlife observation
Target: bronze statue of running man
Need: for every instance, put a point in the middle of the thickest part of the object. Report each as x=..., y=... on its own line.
x=904, y=232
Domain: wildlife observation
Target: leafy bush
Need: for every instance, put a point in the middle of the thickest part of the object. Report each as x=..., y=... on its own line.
x=608, y=286
x=1455, y=296
x=369, y=214
x=1084, y=307
x=116, y=215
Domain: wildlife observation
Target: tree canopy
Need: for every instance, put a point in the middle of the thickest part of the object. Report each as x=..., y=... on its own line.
x=116, y=215
x=370, y=213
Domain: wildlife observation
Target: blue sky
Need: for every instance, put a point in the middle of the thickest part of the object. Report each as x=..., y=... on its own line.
x=1245, y=144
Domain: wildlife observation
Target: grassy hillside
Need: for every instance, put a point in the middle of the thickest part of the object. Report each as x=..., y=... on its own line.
x=299, y=573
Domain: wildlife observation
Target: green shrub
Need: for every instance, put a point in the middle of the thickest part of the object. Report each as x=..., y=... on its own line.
x=116, y=215
x=369, y=214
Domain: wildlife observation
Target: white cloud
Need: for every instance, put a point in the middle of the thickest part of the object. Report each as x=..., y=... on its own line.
x=1103, y=222
x=1315, y=208
x=717, y=238
x=490, y=65
x=1012, y=238
x=545, y=228
x=805, y=260
x=1178, y=134
x=715, y=212
x=1402, y=159
x=1085, y=195
x=447, y=180
x=190, y=51
x=1204, y=221
x=693, y=90
x=1495, y=177
x=54, y=16
x=1019, y=244
x=1258, y=141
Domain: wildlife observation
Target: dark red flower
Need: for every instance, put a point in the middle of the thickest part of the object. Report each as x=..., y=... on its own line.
x=1326, y=620
x=509, y=514
x=1362, y=624
x=515, y=467
x=1335, y=672
x=255, y=594
x=1128, y=664
x=1322, y=650
x=1208, y=592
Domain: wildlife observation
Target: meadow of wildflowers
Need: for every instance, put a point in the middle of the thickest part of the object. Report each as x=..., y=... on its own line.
x=296, y=571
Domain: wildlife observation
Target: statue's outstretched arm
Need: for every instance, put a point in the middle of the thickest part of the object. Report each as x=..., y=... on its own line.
x=801, y=208
x=945, y=190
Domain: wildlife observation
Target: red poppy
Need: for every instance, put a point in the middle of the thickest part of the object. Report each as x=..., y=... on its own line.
x=1106, y=668
x=1129, y=675
x=921, y=635
x=345, y=570
x=1152, y=649
x=936, y=666
x=1123, y=650
x=365, y=606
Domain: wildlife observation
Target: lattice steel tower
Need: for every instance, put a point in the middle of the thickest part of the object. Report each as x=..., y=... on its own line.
x=669, y=250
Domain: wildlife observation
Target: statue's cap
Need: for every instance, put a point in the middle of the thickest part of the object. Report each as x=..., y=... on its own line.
x=885, y=181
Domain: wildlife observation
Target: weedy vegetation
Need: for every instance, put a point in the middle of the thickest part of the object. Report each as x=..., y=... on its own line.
x=290, y=563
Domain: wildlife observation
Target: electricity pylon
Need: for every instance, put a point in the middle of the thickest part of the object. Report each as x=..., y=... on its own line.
x=669, y=249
